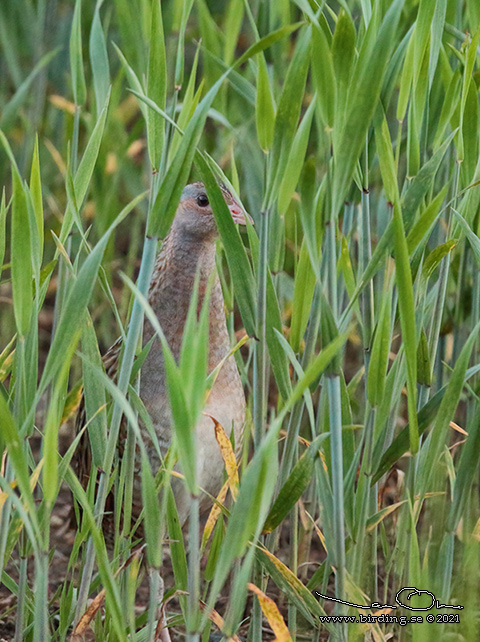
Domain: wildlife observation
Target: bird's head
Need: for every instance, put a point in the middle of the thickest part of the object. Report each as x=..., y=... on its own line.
x=195, y=217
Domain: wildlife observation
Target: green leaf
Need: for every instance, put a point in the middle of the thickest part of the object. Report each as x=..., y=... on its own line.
x=324, y=77
x=76, y=57
x=400, y=444
x=467, y=78
x=449, y=108
x=210, y=34
x=273, y=324
x=405, y=81
x=182, y=420
x=233, y=24
x=21, y=260
x=447, y=409
x=425, y=221
x=470, y=234
x=302, y=297
x=362, y=101
x=466, y=471
x=36, y=192
x=14, y=444
x=422, y=35
x=132, y=79
x=438, y=24
x=194, y=352
x=156, y=86
x=424, y=370
x=50, y=440
x=288, y=110
x=406, y=305
x=386, y=160
x=422, y=183
x=343, y=53
x=176, y=545
x=294, y=487
x=99, y=62
x=152, y=516
x=436, y=256
x=3, y=219
x=264, y=107
x=470, y=133
x=73, y=313
x=11, y=110
x=190, y=102
x=94, y=394
x=318, y=364
x=85, y=169
x=378, y=366
x=296, y=158
x=238, y=263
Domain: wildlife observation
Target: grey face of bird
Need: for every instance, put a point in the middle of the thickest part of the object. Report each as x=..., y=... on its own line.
x=195, y=215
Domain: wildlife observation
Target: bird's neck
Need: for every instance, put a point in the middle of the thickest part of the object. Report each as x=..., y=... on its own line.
x=178, y=261
x=172, y=285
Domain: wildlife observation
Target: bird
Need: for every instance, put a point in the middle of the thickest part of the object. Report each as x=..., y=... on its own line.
x=188, y=248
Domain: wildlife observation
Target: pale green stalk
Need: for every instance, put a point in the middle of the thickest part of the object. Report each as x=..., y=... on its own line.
x=153, y=606
x=333, y=390
x=193, y=572
x=22, y=587
x=260, y=362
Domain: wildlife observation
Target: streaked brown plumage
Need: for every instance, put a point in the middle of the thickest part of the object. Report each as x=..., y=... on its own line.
x=189, y=246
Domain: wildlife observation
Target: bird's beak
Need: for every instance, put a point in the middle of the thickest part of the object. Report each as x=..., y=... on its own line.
x=239, y=215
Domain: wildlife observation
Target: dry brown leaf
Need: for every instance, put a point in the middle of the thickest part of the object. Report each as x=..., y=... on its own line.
x=83, y=627
x=83, y=632
x=458, y=428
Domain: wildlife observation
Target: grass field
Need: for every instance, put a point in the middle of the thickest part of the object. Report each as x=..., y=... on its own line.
x=350, y=130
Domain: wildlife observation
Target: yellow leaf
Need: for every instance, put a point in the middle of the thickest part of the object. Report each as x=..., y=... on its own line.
x=72, y=402
x=13, y=485
x=6, y=366
x=214, y=514
x=273, y=615
x=218, y=620
x=476, y=531
x=228, y=456
x=321, y=536
x=4, y=495
x=212, y=377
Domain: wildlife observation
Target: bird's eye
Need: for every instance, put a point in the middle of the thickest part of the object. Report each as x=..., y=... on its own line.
x=202, y=200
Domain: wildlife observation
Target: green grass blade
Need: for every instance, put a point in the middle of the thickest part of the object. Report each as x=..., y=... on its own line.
x=76, y=56
x=99, y=62
x=21, y=266
x=156, y=86
x=363, y=99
